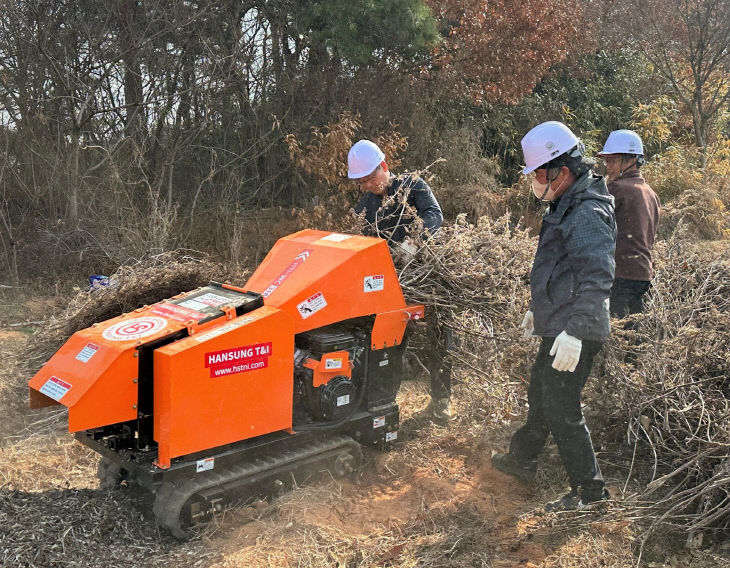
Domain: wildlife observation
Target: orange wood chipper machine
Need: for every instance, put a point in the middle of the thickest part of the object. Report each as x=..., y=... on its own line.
x=223, y=393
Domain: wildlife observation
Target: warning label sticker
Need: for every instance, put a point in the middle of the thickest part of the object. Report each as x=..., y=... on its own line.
x=336, y=237
x=373, y=283
x=204, y=301
x=177, y=313
x=312, y=305
x=87, y=352
x=134, y=328
x=378, y=422
x=343, y=400
x=55, y=388
x=238, y=359
x=204, y=465
x=296, y=263
x=390, y=436
x=224, y=329
x=334, y=363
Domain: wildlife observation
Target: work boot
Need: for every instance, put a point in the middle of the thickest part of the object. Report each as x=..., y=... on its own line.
x=509, y=464
x=573, y=501
x=439, y=409
x=568, y=502
x=587, y=498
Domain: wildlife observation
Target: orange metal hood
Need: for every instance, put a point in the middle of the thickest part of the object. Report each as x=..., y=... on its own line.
x=320, y=278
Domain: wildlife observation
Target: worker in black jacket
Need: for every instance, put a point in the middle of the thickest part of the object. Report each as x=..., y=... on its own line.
x=389, y=201
x=570, y=284
x=392, y=206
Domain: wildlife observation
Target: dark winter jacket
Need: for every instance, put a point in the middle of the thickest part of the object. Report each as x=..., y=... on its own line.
x=386, y=215
x=637, y=216
x=574, y=265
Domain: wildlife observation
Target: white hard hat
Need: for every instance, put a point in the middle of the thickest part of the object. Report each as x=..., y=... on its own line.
x=546, y=142
x=623, y=142
x=363, y=158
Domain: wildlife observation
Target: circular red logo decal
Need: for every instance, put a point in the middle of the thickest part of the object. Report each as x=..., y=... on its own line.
x=134, y=328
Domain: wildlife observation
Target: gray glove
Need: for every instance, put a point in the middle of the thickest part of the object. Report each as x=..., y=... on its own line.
x=566, y=349
x=528, y=324
x=408, y=249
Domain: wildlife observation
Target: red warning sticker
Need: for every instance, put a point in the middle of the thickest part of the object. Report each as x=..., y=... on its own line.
x=177, y=313
x=374, y=283
x=312, y=305
x=87, y=352
x=238, y=359
x=55, y=388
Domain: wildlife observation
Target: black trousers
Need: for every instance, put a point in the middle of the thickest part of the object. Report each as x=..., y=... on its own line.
x=437, y=358
x=627, y=296
x=554, y=398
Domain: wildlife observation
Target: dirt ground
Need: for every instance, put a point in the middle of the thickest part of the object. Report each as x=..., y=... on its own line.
x=434, y=500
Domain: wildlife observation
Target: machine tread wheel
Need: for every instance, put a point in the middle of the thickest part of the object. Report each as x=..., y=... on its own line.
x=174, y=498
x=169, y=506
x=110, y=473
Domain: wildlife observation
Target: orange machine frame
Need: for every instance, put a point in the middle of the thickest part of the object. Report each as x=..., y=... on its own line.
x=213, y=387
x=337, y=277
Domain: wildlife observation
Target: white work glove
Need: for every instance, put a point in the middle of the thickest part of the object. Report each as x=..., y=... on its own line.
x=566, y=349
x=528, y=324
x=409, y=249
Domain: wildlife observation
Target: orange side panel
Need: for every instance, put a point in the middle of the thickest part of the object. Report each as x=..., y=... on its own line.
x=389, y=327
x=94, y=373
x=68, y=378
x=231, y=383
x=319, y=278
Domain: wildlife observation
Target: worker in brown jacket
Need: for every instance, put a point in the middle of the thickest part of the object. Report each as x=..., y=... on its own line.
x=637, y=216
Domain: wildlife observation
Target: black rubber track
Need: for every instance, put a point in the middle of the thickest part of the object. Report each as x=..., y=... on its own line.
x=174, y=498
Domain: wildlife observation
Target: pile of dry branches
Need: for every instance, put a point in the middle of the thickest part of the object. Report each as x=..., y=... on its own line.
x=473, y=279
x=700, y=213
x=135, y=284
x=662, y=397
x=665, y=393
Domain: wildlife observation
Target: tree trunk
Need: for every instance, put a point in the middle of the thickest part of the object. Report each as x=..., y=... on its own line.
x=128, y=16
x=11, y=249
x=699, y=124
x=72, y=213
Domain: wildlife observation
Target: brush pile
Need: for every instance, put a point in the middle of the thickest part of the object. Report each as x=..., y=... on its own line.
x=664, y=397
x=473, y=279
x=133, y=285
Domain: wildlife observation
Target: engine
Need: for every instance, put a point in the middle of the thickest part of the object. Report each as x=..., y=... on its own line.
x=329, y=376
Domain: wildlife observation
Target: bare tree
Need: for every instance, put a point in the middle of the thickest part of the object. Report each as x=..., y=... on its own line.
x=688, y=43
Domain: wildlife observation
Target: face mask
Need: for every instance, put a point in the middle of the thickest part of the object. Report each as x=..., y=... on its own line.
x=539, y=189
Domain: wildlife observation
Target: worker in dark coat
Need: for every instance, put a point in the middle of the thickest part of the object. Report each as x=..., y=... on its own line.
x=392, y=206
x=570, y=284
x=637, y=216
x=387, y=198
